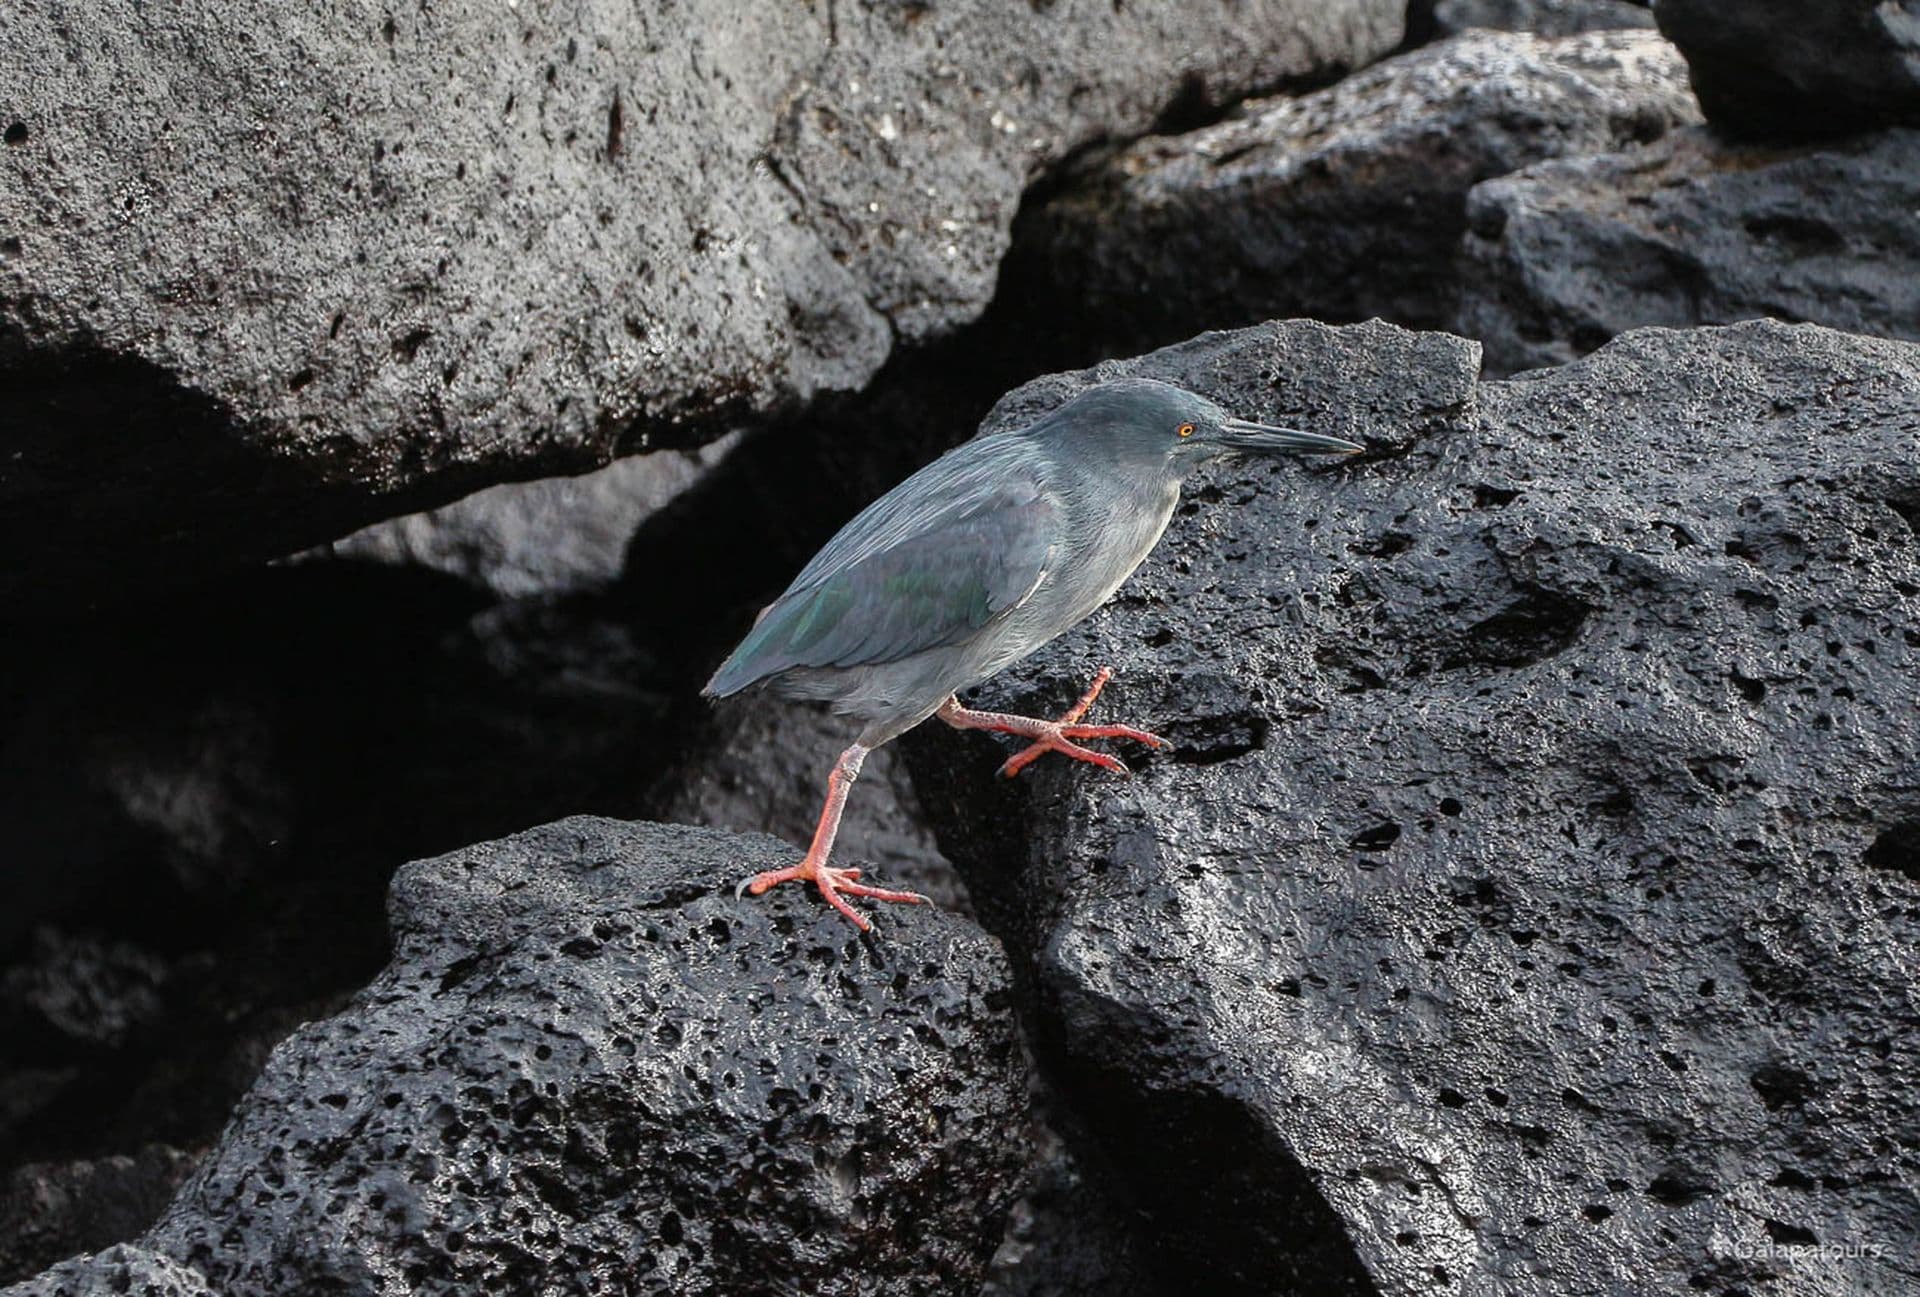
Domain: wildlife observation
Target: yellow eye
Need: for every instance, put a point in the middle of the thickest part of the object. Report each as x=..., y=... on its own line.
x=1186, y=430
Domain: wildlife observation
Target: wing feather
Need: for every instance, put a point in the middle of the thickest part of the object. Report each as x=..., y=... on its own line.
x=920, y=569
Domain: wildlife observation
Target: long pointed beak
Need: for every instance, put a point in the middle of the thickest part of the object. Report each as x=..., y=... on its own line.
x=1242, y=435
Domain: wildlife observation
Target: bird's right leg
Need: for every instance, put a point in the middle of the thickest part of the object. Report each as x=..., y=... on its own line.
x=1052, y=736
x=833, y=883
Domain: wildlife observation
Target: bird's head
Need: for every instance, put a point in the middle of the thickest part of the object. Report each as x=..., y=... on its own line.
x=1147, y=422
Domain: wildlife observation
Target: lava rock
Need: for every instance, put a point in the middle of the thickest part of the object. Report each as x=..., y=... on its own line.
x=551, y=536
x=267, y=276
x=1341, y=204
x=1776, y=68
x=1526, y=901
x=1692, y=230
x=89, y=992
x=1542, y=17
x=124, y=1270
x=589, y=1059
x=53, y=1210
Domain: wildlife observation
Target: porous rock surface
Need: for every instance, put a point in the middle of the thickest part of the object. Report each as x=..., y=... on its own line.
x=273, y=272
x=1692, y=229
x=126, y=1269
x=1530, y=898
x=589, y=1064
x=1342, y=204
x=1779, y=68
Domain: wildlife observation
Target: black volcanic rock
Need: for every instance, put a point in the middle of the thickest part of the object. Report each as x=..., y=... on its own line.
x=1784, y=69
x=268, y=272
x=49, y=1211
x=1340, y=204
x=125, y=1269
x=1528, y=902
x=1692, y=230
x=589, y=1064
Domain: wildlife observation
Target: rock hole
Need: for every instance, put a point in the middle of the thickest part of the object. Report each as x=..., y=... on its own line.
x=1596, y=1212
x=1376, y=838
x=1791, y=1235
x=1450, y=806
x=1385, y=545
x=299, y=380
x=616, y=123
x=17, y=133
x=1532, y=628
x=11, y=246
x=1780, y=1086
x=1488, y=496
x=1897, y=849
x=408, y=345
x=1675, y=1190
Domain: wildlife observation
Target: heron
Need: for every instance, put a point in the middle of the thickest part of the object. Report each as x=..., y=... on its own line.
x=971, y=564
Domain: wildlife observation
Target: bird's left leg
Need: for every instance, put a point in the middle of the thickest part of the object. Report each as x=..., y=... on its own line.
x=1052, y=736
x=833, y=883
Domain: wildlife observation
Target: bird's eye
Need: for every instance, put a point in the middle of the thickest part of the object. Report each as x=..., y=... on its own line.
x=1186, y=430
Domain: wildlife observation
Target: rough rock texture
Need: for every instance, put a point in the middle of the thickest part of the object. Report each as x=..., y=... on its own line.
x=50, y=1211
x=588, y=1059
x=1543, y=17
x=551, y=536
x=1341, y=204
x=1782, y=68
x=270, y=274
x=1529, y=901
x=127, y=1270
x=1566, y=254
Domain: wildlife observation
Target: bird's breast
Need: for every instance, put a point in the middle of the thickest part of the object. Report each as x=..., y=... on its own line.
x=1107, y=538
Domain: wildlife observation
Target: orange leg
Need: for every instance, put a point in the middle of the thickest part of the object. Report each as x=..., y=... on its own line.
x=834, y=884
x=1052, y=736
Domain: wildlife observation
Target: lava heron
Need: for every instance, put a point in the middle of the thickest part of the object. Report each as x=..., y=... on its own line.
x=971, y=564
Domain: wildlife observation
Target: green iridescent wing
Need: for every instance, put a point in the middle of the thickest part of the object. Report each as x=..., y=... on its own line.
x=896, y=583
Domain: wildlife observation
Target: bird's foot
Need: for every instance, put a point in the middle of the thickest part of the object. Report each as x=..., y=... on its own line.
x=1058, y=735
x=834, y=884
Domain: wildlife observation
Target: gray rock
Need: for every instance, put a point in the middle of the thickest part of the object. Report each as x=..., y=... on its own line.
x=1528, y=900
x=49, y=1211
x=268, y=275
x=88, y=992
x=1542, y=17
x=551, y=536
x=1341, y=204
x=1779, y=68
x=1692, y=230
x=588, y=1059
x=125, y=1270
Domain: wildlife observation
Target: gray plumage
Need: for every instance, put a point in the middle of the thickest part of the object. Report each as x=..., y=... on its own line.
x=987, y=553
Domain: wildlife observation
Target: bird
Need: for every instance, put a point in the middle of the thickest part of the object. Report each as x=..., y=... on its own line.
x=969, y=565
